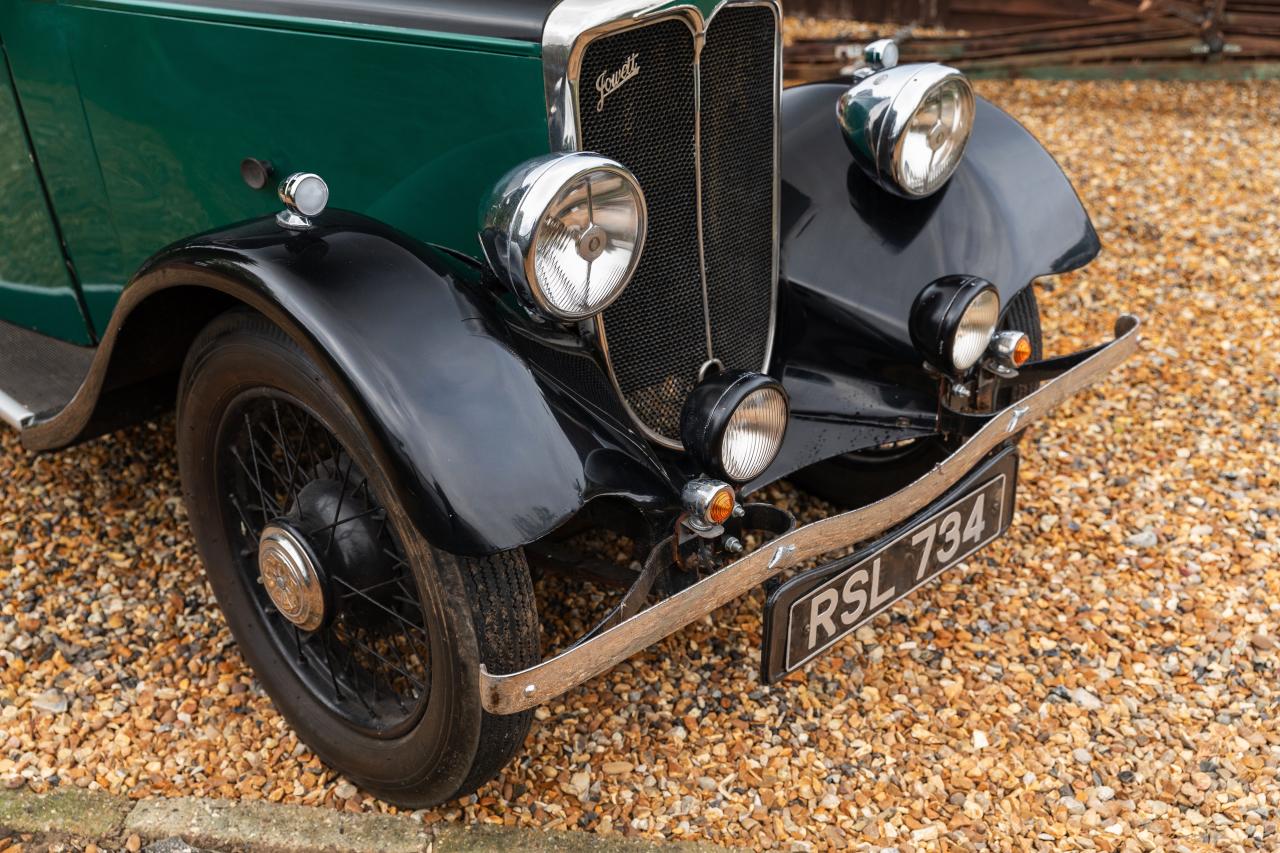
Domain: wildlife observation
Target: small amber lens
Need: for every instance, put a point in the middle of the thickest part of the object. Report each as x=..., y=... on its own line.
x=1021, y=351
x=721, y=507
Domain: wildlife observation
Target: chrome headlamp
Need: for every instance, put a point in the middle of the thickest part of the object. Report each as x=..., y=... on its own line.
x=733, y=424
x=565, y=233
x=907, y=126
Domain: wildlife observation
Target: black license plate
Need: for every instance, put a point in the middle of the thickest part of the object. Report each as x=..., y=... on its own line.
x=812, y=611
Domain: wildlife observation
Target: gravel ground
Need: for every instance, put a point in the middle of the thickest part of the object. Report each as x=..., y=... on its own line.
x=1101, y=678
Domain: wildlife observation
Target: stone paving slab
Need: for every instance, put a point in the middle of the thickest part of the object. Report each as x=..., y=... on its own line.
x=92, y=814
x=270, y=828
x=274, y=828
x=460, y=839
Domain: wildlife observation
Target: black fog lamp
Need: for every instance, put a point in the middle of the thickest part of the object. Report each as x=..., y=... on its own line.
x=733, y=424
x=953, y=320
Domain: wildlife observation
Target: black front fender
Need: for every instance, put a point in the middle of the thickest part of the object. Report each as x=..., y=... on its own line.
x=485, y=452
x=854, y=258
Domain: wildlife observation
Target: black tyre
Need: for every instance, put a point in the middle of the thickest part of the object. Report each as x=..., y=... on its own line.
x=367, y=638
x=858, y=478
x=1023, y=315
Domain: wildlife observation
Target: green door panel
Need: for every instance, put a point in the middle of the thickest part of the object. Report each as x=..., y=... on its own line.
x=36, y=289
x=45, y=78
x=413, y=129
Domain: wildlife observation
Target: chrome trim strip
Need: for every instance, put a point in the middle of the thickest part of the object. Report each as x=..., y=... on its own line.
x=570, y=27
x=699, y=42
x=12, y=412
x=519, y=691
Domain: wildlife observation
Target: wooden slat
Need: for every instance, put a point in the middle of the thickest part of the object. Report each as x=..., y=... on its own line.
x=1078, y=37
x=1149, y=70
x=1195, y=32
x=1161, y=48
x=1041, y=27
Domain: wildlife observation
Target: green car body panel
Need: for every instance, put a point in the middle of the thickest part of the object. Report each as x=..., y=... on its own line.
x=36, y=289
x=141, y=113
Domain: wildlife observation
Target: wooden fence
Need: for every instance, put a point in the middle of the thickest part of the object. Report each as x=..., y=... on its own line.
x=955, y=14
x=1178, y=39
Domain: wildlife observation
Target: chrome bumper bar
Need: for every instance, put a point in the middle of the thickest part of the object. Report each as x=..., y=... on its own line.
x=519, y=691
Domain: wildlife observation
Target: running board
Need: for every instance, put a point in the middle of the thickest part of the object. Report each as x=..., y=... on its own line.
x=38, y=374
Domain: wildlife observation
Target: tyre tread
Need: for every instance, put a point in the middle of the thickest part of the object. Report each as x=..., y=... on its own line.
x=505, y=617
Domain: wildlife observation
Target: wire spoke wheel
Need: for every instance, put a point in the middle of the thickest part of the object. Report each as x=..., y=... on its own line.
x=328, y=573
x=368, y=638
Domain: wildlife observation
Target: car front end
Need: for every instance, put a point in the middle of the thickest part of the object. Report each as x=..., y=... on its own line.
x=686, y=283
x=756, y=284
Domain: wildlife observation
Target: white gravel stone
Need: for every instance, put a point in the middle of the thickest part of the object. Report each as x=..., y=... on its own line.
x=1085, y=699
x=1072, y=805
x=1143, y=539
x=52, y=701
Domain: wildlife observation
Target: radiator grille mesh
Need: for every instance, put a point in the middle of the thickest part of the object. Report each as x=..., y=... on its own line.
x=737, y=182
x=657, y=330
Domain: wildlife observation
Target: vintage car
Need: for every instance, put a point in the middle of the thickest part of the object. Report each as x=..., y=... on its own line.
x=440, y=290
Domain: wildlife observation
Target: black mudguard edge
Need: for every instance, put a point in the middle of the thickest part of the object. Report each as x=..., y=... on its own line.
x=486, y=455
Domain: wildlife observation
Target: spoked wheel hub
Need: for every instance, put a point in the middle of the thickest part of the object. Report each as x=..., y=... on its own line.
x=296, y=571
x=292, y=576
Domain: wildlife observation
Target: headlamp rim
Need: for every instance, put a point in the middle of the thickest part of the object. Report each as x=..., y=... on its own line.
x=514, y=213
x=900, y=120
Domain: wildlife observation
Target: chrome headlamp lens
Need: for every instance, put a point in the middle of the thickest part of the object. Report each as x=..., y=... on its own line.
x=930, y=148
x=953, y=320
x=977, y=325
x=565, y=232
x=907, y=126
x=733, y=424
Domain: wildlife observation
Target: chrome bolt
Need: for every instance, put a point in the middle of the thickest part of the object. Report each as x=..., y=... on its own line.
x=732, y=545
x=739, y=511
x=592, y=242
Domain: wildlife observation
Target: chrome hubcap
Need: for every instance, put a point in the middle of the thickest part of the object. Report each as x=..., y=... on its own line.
x=291, y=577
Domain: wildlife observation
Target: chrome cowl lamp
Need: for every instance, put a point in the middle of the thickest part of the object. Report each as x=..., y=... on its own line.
x=907, y=125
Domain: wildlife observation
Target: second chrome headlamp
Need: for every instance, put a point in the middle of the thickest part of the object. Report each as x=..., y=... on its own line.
x=565, y=232
x=907, y=126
